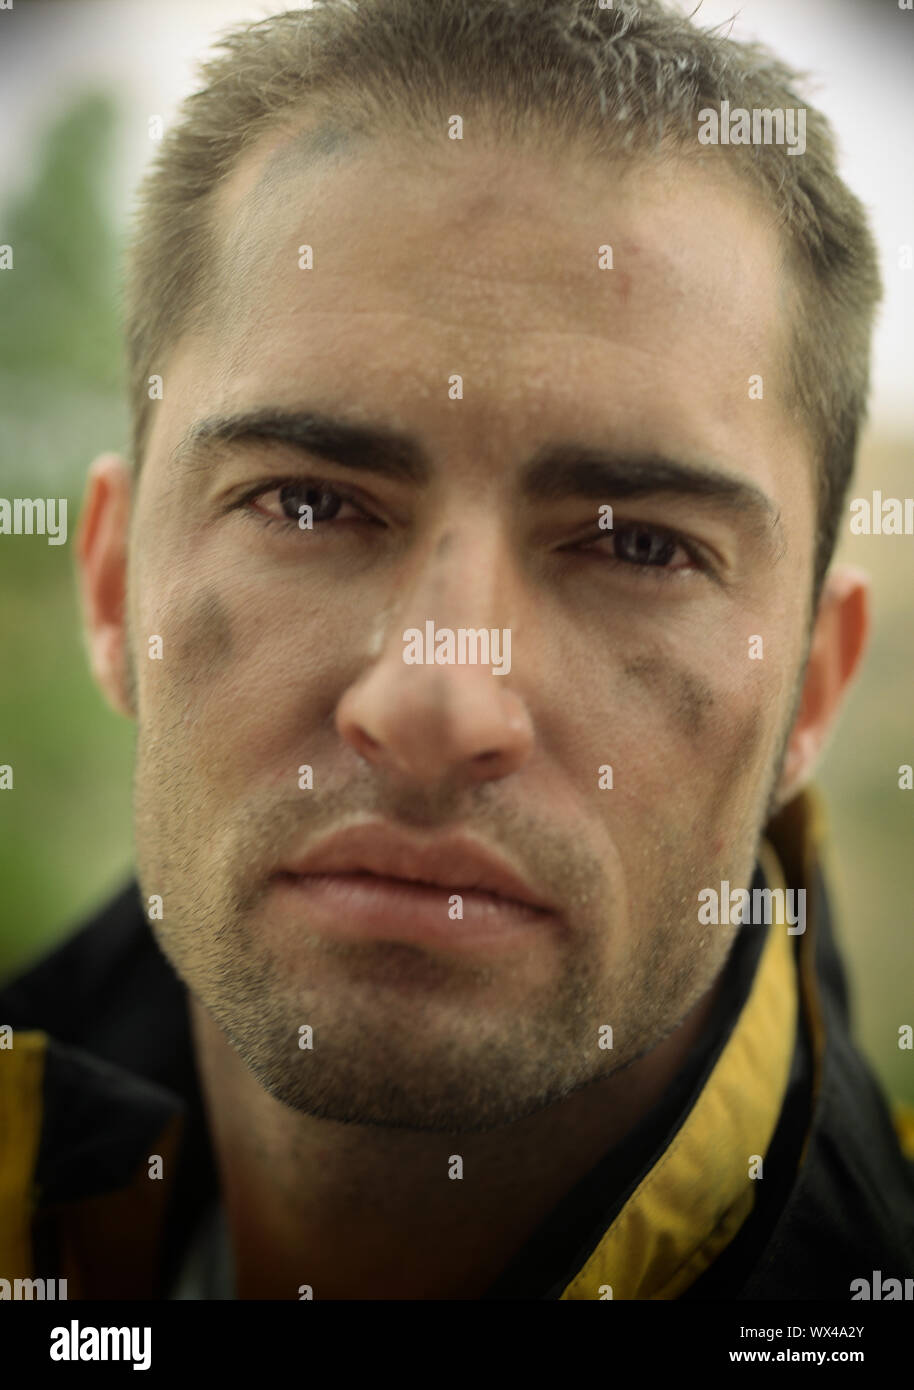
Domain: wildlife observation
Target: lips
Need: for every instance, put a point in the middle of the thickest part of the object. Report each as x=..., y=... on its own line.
x=457, y=863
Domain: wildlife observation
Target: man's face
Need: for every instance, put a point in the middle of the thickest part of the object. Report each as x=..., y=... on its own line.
x=284, y=646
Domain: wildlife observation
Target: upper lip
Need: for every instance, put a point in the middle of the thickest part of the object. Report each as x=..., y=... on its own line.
x=454, y=861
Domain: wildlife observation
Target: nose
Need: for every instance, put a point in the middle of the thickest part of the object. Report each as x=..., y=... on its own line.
x=444, y=713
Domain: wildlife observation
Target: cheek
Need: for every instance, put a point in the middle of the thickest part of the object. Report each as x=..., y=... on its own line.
x=182, y=692
x=691, y=747
x=688, y=700
x=203, y=639
x=200, y=643
x=243, y=689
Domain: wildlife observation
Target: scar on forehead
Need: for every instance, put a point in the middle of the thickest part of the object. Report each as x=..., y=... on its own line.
x=691, y=698
x=206, y=632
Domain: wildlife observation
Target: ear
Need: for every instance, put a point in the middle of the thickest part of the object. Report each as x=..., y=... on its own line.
x=102, y=559
x=838, y=642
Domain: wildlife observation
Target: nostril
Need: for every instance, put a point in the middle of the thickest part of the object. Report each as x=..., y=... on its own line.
x=368, y=746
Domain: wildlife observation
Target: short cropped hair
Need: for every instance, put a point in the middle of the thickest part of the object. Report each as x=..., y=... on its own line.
x=615, y=82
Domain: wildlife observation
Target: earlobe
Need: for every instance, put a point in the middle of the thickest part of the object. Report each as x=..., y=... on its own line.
x=102, y=559
x=836, y=651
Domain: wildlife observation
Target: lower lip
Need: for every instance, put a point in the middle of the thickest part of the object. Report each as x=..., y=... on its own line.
x=367, y=907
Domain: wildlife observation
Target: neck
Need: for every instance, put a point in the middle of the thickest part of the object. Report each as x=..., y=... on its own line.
x=358, y=1211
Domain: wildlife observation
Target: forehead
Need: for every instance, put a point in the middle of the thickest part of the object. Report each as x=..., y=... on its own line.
x=548, y=281
x=516, y=219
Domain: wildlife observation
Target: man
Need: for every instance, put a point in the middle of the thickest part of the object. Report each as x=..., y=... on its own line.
x=470, y=589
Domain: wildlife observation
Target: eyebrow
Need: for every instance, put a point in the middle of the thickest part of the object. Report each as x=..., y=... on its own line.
x=554, y=473
x=569, y=470
x=371, y=449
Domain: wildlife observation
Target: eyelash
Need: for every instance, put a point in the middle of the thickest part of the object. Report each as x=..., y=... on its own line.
x=648, y=572
x=277, y=485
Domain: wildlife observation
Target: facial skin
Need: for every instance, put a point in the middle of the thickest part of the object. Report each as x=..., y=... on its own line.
x=284, y=646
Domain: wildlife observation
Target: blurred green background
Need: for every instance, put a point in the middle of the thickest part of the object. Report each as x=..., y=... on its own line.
x=65, y=834
x=65, y=829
